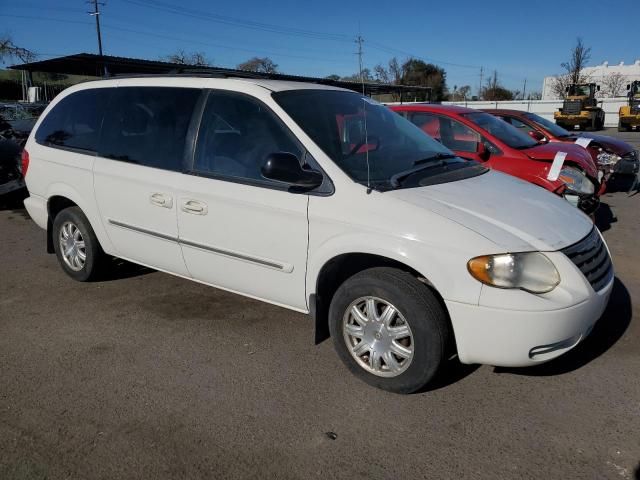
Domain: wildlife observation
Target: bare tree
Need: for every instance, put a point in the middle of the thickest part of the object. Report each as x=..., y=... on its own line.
x=197, y=59
x=614, y=84
x=534, y=96
x=9, y=50
x=580, y=55
x=381, y=74
x=461, y=94
x=494, y=91
x=259, y=64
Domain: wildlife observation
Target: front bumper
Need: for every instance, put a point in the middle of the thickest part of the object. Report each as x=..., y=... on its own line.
x=512, y=338
x=513, y=328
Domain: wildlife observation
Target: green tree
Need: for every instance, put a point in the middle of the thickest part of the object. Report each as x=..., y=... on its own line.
x=419, y=73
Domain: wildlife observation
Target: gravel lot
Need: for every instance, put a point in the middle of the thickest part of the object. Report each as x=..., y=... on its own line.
x=150, y=376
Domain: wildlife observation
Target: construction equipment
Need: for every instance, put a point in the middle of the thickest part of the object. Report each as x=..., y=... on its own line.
x=629, y=115
x=580, y=108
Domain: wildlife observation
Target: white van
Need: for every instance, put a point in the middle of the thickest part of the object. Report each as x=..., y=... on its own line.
x=322, y=201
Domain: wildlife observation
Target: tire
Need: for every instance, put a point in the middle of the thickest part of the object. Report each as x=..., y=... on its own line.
x=408, y=362
x=72, y=223
x=621, y=127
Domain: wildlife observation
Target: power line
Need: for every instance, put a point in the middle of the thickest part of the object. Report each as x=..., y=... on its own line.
x=208, y=16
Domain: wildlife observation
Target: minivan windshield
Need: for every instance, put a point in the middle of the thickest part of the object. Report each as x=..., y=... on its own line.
x=548, y=125
x=503, y=131
x=372, y=144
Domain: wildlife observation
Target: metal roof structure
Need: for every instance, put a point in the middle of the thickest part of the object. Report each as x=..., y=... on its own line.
x=88, y=64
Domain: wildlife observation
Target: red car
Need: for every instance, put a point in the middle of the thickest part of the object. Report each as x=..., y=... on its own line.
x=479, y=136
x=610, y=154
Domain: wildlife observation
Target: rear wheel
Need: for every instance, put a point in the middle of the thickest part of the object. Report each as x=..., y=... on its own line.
x=76, y=245
x=389, y=329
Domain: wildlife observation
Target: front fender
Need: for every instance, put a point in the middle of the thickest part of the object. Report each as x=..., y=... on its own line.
x=445, y=269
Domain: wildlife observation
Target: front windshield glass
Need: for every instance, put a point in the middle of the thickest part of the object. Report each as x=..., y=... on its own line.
x=368, y=141
x=548, y=125
x=579, y=90
x=505, y=132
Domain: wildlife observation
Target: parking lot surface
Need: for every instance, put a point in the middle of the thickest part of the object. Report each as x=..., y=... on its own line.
x=145, y=375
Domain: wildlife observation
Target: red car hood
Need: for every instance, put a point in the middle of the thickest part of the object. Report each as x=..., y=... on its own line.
x=610, y=144
x=575, y=154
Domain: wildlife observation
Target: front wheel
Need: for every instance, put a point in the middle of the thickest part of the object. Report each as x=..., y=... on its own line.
x=76, y=245
x=389, y=329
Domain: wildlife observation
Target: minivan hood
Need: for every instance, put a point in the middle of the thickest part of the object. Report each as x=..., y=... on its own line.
x=575, y=153
x=513, y=214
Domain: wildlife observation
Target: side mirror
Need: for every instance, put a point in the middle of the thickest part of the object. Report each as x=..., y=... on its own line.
x=537, y=136
x=482, y=151
x=285, y=168
x=628, y=86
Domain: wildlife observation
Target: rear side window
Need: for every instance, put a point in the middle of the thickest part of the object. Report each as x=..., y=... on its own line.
x=148, y=125
x=75, y=121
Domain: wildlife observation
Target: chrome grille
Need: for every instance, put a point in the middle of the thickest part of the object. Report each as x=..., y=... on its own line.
x=591, y=257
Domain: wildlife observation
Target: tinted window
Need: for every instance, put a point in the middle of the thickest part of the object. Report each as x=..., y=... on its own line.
x=75, y=121
x=451, y=133
x=502, y=130
x=236, y=136
x=148, y=125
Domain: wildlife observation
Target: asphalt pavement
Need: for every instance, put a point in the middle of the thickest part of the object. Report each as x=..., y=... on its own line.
x=145, y=375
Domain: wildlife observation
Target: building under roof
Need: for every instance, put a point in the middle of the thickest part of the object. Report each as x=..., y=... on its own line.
x=88, y=64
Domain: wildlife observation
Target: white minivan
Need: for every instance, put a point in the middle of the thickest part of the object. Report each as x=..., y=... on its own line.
x=323, y=201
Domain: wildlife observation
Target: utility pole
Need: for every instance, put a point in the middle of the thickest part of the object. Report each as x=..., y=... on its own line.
x=96, y=13
x=360, y=41
x=524, y=89
x=480, y=87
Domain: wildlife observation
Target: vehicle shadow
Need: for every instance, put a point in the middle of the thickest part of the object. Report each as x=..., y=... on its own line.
x=637, y=473
x=604, y=217
x=452, y=372
x=607, y=331
x=118, y=269
x=623, y=183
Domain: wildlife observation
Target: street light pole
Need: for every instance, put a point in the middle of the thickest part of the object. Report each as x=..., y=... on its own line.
x=96, y=13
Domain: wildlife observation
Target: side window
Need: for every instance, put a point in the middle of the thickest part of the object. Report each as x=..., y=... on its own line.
x=523, y=127
x=430, y=124
x=148, y=125
x=237, y=134
x=457, y=136
x=75, y=121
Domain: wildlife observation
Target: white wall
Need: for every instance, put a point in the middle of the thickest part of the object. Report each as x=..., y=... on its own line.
x=545, y=108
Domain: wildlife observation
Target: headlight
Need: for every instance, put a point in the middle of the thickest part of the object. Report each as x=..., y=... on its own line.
x=577, y=181
x=529, y=271
x=605, y=158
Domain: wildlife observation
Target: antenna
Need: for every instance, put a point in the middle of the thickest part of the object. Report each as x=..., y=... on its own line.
x=360, y=41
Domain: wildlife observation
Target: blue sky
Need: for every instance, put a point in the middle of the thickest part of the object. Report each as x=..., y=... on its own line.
x=518, y=39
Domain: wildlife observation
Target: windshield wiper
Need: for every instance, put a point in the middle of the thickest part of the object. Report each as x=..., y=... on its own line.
x=437, y=160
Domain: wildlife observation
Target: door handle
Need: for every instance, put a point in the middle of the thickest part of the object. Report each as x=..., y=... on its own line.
x=161, y=200
x=194, y=207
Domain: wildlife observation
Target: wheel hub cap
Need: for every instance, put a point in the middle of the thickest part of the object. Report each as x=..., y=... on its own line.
x=72, y=246
x=378, y=336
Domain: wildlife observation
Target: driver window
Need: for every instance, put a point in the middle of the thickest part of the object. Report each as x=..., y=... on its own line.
x=523, y=127
x=237, y=134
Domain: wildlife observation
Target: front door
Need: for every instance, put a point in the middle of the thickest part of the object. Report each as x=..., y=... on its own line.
x=239, y=231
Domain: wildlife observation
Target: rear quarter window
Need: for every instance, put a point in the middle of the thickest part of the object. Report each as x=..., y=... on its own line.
x=74, y=122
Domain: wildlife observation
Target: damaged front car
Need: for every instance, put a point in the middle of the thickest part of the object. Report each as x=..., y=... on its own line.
x=11, y=178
